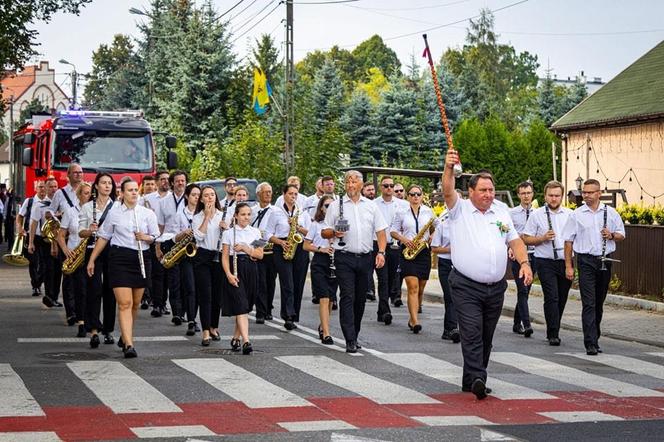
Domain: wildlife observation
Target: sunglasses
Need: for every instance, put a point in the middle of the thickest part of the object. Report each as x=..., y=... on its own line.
x=398, y=190
x=326, y=205
x=386, y=186
x=414, y=194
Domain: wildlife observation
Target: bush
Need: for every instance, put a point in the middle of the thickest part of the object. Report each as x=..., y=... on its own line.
x=638, y=214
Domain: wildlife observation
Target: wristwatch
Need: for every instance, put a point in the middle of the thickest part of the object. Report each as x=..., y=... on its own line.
x=381, y=252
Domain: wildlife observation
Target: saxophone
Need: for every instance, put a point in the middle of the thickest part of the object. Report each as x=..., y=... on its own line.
x=186, y=246
x=294, y=238
x=419, y=243
x=70, y=264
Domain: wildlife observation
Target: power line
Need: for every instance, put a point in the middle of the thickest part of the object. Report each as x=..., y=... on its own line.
x=246, y=22
x=243, y=9
x=258, y=22
x=229, y=10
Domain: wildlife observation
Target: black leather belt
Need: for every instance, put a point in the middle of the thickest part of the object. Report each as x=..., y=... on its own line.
x=357, y=255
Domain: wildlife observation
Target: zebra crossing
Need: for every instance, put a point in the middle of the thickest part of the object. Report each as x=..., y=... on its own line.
x=262, y=394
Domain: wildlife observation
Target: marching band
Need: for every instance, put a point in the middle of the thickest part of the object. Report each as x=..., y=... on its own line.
x=217, y=258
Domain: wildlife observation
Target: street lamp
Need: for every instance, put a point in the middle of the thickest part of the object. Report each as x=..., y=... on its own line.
x=74, y=80
x=579, y=182
x=137, y=11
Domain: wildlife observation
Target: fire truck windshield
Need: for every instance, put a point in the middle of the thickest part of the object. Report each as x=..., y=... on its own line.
x=99, y=150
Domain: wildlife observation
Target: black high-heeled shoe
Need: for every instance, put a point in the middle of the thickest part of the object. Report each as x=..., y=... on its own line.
x=320, y=332
x=327, y=340
x=235, y=344
x=415, y=328
x=94, y=341
x=215, y=337
x=205, y=342
x=247, y=348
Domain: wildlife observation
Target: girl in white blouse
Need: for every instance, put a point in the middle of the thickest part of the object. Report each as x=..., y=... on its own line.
x=323, y=280
x=239, y=255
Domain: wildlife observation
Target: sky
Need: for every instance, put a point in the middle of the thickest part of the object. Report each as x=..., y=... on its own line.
x=599, y=37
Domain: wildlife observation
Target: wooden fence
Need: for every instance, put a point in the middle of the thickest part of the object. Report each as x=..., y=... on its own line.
x=641, y=270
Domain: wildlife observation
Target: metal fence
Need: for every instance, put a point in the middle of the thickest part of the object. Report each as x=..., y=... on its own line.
x=641, y=270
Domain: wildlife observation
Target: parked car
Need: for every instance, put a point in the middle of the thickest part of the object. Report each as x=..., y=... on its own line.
x=218, y=185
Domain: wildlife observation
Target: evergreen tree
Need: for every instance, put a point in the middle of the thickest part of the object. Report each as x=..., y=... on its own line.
x=356, y=122
x=548, y=105
x=375, y=53
x=34, y=107
x=109, y=85
x=266, y=57
x=326, y=97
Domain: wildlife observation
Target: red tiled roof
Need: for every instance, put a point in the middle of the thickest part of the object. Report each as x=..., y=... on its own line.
x=16, y=84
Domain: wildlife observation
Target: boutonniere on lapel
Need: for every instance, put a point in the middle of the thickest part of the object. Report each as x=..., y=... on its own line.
x=502, y=227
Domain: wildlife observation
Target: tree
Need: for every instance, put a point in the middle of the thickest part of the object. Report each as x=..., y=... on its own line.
x=548, y=104
x=266, y=57
x=374, y=53
x=17, y=18
x=357, y=124
x=34, y=107
x=108, y=84
x=375, y=85
x=326, y=97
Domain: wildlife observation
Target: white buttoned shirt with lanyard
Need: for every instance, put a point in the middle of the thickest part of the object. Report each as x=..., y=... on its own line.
x=85, y=218
x=70, y=222
x=314, y=234
x=245, y=235
x=38, y=213
x=227, y=209
x=479, y=240
x=441, y=238
x=520, y=216
x=120, y=226
x=301, y=201
x=408, y=224
x=210, y=240
x=260, y=217
x=153, y=200
x=389, y=209
x=23, y=211
x=167, y=215
x=584, y=227
x=364, y=220
x=278, y=225
x=538, y=225
x=185, y=219
x=63, y=200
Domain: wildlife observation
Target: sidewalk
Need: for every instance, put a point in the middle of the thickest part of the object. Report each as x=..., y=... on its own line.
x=627, y=319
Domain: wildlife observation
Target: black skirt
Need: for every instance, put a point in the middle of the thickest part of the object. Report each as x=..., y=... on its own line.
x=419, y=267
x=240, y=300
x=322, y=286
x=125, y=268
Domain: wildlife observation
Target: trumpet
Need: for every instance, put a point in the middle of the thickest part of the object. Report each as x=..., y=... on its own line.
x=50, y=230
x=15, y=257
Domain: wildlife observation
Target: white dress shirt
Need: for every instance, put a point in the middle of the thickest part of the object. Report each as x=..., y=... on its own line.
x=301, y=201
x=152, y=200
x=245, y=235
x=364, y=219
x=538, y=225
x=211, y=239
x=520, y=216
x=479, y=247
x=185, y=219
x=441, y=238
x=38, y=213
x=261, y=224
x=70, y=222
x=227, y=209
x=122, y=223
x=389, y=209
x=584, y=226
x=314, y=234
x=278, y=225
x=404, y=222
x=59, y=203
x=167, y=215
x=85, y=218
x=311, y=204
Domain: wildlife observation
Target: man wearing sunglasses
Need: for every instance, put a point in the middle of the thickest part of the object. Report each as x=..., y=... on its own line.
x=399, y=191
x=480, y=234
x=388, y=278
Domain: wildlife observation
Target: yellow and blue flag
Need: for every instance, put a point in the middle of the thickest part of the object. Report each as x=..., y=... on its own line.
x=262, y=92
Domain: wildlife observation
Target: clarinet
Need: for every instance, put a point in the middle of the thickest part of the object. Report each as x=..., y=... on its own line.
x=94, y=218
x=221, y=231
x=234, y=252
x=553, y=241
x=603, y=258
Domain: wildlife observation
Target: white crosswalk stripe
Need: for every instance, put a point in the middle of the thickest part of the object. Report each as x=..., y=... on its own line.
x=120, y=389
x=240, y=384
x=352, y=379
x=573, y=376
x=580, y=416
x=15, y=399
x=624, y=363
x=172, y=431
x=30, y=436
x=450, y=373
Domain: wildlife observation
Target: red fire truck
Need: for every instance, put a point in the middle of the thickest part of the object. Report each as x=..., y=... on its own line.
x=119, y=143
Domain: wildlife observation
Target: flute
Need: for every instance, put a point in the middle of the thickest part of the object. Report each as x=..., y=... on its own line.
x=234, y=252
x=140, y=246
x=553, y=241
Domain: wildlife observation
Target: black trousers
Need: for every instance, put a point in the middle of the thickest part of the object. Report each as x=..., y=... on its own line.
x=593, y=285
x=9, y=229
x=351, y=273
x=478, y=308
x=80, y=282
x=50, y=271
x=188, y=287
x=35, y=268
x=444, y=269
x=292, y=276
x=521, y=310
x=394, y=278
x=159, y=287
x=383, y=276
x=208, y=276
x=173, y=282
x=99, y=290
x=267, y=278
x=555, y=287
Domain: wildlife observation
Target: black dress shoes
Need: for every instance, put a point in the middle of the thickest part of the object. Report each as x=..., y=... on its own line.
x=351, y=347
x=176, y=320
x=452, y=335
x=191, y=328
x=81, y=331
x=94, y=341
x=478, y=388
x=591, y=350
x=289, y=325
x=398, y=303
x=155, y=313
x=387, y=318
x=268, y=317
x=48, y=302
x=554, y=342
x=71, y=320
x=599, y=350
x=215, y=337
x=130, y=352
x=57, y=304
x=109, y=339
x=36, y=292
x=260, y=320
x=518, y=329
x=527, y=332
x=205, y=342
x=371, y=297
x=467, y=389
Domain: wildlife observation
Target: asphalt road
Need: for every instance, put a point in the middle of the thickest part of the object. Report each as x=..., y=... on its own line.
x=400, y=387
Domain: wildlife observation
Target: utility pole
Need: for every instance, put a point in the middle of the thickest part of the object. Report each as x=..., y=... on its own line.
x=553, y=159
x=289, y=151
x=74, y=81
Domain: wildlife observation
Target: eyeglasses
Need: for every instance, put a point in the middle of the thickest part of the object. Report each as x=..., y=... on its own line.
x=326, y=205
x=415, y=194
x=589, y=192
x=385, y=186
x=398, y=190
x=231, y=184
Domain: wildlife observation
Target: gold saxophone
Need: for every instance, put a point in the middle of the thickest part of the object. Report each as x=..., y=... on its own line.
x=418, y=242
x=293, y=239
x=50, y=230
x=186, y=246
x=70, y=264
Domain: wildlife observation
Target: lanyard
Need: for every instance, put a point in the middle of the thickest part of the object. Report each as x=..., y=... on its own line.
x=260, y=216
x=417, y=222
x=177, y=202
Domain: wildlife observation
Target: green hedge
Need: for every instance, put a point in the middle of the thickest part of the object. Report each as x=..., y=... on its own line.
x=638, y=214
